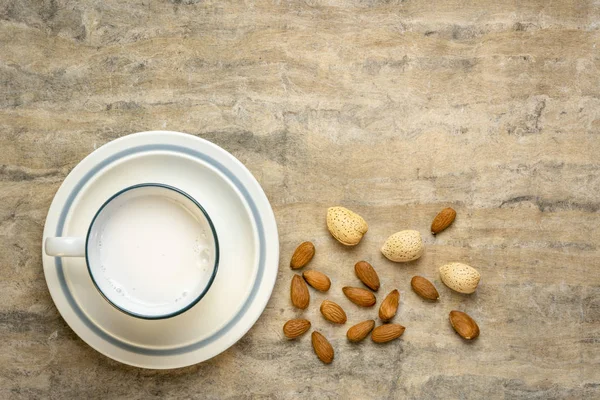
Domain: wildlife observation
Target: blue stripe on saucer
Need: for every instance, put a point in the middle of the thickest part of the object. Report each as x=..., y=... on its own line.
x=261, y=262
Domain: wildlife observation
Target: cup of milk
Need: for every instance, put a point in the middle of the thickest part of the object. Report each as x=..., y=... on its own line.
x=151, y=251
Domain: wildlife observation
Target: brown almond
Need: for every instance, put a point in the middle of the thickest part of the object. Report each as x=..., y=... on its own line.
x=333, y=312
x=366, y=273
x=443, y=220
x=299, y=292
x=302, y=255
x=387, y=332
x=464, y=325
x=389, y=306
x=322, y=347
x=360, y=331
x=317, y=279
x=296, y=327
x=359, y=296
x=424, y=288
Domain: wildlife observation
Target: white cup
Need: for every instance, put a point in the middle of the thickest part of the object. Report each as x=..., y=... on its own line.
x=151, y=251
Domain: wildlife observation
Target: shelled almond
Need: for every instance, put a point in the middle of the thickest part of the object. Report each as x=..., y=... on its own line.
x=443, y=220
x=317, y=280
x=302, y=255
x=333, y=312
x=386, y=333
x=464, y=325
x=366, y=273
x=299, y=292
x=359, y=296
x=296, y=327
x=322, y=347
x=424, y=288
x=389, y=306
x=360, y=331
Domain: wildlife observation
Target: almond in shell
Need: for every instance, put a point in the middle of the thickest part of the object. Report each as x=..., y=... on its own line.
x=366, y=273
x=322, y=347
x=403, y=246
x=359, y=296
x=296, y=327
x=460, y=277
x=360, y=331
x=389, y=306
x=333, y=312
x=443, y=220
x=317, y=280
x=346, y=226
x=299, y=292
x=302, y=255
x=464, y=325
x=387, y=332
x=424, y=288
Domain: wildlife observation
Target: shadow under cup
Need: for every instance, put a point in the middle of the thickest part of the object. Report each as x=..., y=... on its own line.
x=152, y=251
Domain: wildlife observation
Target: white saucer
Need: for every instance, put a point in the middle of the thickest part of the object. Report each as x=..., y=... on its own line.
x=247, y=233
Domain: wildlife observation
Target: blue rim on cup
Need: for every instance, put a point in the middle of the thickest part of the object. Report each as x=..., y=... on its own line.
x=80, y=247
x=216, y=243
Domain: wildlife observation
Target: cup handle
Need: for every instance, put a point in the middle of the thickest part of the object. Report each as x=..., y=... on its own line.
x=65, y=246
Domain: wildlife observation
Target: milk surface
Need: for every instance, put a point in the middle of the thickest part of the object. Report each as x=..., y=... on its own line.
x=152, y=254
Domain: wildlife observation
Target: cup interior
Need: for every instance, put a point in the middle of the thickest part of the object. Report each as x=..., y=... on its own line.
x=152, y=251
